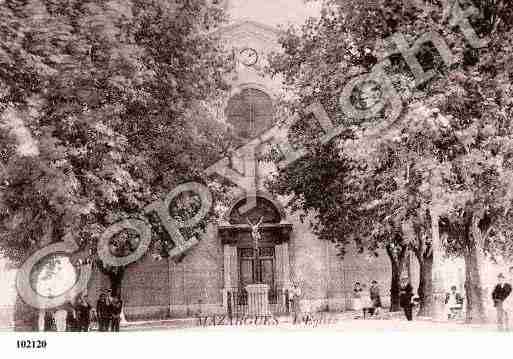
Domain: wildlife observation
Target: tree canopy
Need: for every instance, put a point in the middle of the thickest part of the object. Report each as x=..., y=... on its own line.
x=104, y=107
x=448, y=150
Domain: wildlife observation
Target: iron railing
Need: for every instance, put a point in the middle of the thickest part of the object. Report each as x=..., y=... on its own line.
x=237, y=302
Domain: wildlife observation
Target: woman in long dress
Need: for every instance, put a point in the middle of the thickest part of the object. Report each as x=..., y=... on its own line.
x=295, y=293
x=367, y=306
x=357, y=297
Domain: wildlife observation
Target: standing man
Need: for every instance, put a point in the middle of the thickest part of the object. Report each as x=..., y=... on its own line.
x=116, y=308
x=499, y=295
x=375, y=297
x=406, y=295
x=103, y=312
x=83, y=313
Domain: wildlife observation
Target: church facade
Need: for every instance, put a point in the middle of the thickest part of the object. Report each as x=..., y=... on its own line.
x=213, y=275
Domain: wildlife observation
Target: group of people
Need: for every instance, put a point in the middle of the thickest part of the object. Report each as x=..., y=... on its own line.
x=501, y=297
x=408, y=300
x=108, y=310
x=79, y=316
x=370, y=302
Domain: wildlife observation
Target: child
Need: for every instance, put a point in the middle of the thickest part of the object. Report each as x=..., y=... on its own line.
x=453, y=302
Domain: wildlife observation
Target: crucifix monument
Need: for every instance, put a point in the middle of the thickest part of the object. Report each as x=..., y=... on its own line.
x=258, y=301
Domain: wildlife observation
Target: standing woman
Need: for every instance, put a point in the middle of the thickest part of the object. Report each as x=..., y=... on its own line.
x=357, y=297
x=406, y=296
x=296, y=297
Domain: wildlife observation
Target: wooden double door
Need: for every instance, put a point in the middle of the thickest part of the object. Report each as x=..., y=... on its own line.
x=255, y=268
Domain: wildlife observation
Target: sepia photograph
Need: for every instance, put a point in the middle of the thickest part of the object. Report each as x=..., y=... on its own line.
x=273, y=166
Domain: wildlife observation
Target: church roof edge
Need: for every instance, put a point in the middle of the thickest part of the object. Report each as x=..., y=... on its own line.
x=242, y=22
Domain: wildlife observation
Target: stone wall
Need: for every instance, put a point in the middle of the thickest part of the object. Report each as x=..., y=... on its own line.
x=197, y=281
x=308, y=264
x=327, y=280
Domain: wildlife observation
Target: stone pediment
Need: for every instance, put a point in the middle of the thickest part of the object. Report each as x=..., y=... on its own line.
x=249, y=31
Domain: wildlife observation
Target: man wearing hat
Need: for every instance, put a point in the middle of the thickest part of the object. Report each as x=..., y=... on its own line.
x=499, y=295
x=103, y=311
x=405, y=297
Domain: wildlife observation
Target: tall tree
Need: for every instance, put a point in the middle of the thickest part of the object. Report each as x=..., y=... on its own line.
x=104, y=107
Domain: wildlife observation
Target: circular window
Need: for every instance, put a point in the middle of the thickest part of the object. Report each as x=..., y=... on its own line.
x=250, y=112
x=53, y=276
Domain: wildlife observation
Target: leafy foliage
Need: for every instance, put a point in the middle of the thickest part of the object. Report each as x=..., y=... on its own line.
x=449, y=151
x=105, y=109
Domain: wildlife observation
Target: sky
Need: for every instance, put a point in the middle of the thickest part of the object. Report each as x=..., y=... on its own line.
x=273, y=12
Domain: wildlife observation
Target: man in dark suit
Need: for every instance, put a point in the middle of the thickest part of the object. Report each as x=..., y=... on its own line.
x=83, y=313
x=499, y=295
x=103, y=312
x=406, y=295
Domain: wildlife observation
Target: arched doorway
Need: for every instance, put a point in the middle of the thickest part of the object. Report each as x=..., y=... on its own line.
x=247, y=263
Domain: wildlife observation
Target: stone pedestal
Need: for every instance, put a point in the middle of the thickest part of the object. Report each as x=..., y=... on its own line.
x=258, y=299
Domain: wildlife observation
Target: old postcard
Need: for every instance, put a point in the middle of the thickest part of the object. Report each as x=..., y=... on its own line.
x=344, y=165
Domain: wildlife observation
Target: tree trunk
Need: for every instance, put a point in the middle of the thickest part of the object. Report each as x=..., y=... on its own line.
x=425, y=285
x=395, y=288
x=438, y=289
x=115, y=275
x=397, y=262
x=116, y=278
x=473, y=273
x=473, y=286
